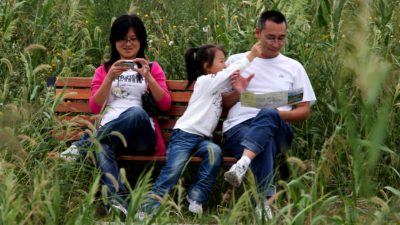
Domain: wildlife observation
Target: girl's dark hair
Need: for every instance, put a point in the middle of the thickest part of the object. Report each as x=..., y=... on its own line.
x=119, y=30
x=195, y=59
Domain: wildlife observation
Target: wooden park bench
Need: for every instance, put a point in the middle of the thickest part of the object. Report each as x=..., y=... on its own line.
x=74, y=107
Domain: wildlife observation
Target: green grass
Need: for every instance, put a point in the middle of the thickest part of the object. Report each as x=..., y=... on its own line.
x=344, y=161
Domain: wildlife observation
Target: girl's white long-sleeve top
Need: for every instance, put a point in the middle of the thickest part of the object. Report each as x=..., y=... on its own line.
x=205, y=105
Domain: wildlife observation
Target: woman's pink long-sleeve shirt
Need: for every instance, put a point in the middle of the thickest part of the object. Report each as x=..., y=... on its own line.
x=158, y=74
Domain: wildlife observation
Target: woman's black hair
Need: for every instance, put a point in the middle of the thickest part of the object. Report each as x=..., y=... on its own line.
x=120, y=29
x=195, y=59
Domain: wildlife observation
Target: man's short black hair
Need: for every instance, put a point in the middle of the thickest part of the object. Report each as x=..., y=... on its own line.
x=271, y=15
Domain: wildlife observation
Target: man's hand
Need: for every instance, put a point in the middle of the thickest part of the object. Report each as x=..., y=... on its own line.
x=301, y=112
x=240, y=83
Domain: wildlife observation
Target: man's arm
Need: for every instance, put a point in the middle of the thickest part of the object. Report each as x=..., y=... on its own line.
x=229, y=99
x=300, y=112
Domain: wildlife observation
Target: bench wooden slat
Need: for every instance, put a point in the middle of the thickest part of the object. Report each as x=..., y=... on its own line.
x=78, y=120
x=84, y=94
x=83, y=82
x=178, y=85
x=77, y=107
x=180, y=96
x=74, y=94
x=74, y=105
x=175, y=110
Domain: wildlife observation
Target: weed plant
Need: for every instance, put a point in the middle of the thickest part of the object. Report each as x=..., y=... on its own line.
x=344, y=163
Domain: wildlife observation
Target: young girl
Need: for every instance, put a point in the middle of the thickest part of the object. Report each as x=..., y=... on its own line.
x=192, y=133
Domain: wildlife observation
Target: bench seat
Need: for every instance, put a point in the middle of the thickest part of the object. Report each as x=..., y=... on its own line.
x=74, y=114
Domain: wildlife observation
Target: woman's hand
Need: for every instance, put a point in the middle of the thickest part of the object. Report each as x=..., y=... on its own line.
x=144, y=70
x=116, y=69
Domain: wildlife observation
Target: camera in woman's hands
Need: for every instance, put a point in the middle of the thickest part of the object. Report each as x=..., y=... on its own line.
x=132, y=65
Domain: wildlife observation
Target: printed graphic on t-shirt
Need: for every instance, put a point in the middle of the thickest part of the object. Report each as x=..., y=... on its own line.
x=217, y=102
x=129, y=86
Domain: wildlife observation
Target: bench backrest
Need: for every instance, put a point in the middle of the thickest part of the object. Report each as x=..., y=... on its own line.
x=73, y=106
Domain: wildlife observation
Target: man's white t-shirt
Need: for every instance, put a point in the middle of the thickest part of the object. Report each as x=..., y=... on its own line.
x=276, y=74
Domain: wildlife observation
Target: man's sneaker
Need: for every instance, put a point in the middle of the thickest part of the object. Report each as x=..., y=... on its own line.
x=266, y=211
x=235, y=174
x=72, y=153
x=118, y=207
x=194, y=206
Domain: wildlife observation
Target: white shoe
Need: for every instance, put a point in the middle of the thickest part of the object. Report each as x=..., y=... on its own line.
x=142, y=216
x=266, y=211
x=194, y=206
x=72, y=153
x=235, y=174
x=118, y=207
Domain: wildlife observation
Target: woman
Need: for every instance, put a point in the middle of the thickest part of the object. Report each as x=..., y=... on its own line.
x=117, y=87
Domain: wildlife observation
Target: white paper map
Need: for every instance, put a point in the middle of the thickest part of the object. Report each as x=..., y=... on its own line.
x=271, y=99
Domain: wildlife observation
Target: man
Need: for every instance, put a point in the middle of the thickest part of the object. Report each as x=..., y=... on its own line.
x=256, y=136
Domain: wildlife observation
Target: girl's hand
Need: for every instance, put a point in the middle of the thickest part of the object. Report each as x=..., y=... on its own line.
x=116, y=69
x=145, y=69
x=256, y=50
x=240, y=83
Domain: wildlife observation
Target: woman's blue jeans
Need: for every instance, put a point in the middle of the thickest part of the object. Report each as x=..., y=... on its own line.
x=182, y=145
x=266, y=135
x=134, y=124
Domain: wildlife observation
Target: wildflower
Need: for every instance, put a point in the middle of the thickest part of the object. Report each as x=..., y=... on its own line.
x=234, y=17
x=170, y=43
x=205, y=18
x=206, y=28
x=222, y=17
x=174, y=26
x=146, y=15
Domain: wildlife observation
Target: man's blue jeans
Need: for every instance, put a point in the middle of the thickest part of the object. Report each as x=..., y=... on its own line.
x=182, y=145
x=134, y=124
x=266, y=135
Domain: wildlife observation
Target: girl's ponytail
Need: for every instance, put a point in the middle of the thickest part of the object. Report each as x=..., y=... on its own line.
x=191, y=66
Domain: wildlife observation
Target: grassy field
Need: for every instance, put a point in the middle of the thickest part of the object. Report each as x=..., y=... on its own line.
x=344, y=162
